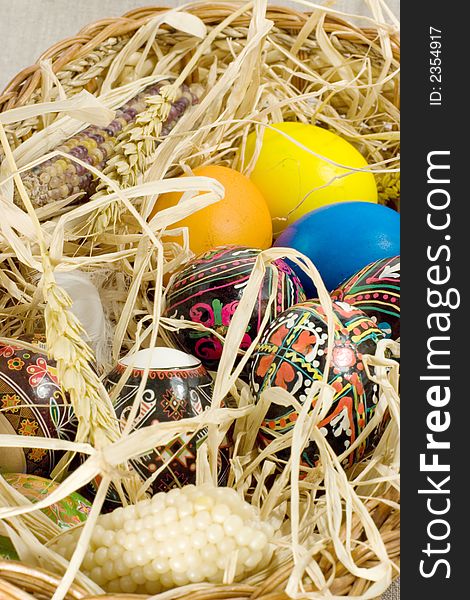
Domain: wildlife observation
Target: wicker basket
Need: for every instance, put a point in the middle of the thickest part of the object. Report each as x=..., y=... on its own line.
x=21, y=89
x=81, y=63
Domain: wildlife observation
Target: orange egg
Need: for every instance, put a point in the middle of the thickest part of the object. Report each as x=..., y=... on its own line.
x=242, y=217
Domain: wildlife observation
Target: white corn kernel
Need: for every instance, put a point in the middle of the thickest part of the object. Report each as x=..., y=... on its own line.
x=220, y=512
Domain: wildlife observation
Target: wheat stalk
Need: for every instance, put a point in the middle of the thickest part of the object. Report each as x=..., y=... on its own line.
x=136, y=148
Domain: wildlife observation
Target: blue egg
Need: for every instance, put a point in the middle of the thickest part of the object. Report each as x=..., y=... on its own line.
x=342, y=238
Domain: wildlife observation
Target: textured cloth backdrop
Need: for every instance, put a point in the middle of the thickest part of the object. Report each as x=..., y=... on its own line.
x=28, y=27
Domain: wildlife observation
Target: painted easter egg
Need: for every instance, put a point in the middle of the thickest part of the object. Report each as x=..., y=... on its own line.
x=242, y=217
x=177, y=387
x=208, y=290
x=295, y=181
x=342, y=238
x=291, y=354
x=66, y=513
x=375, y=289
x=32, y=404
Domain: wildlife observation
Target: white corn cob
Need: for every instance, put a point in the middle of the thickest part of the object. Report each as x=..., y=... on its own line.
x=186, y=535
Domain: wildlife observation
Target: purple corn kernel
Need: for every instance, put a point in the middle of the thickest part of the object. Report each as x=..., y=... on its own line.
x=126, y=116
x=131, y=112
x=85, y=180
x=180, y=108
x=99, y=139
x=154, y=90
x=116, y=125
x=79, y=152
x=172, y=114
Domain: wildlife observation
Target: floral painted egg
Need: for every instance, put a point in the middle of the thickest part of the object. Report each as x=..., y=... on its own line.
x=33, y=404
x=291, y=355
x=67, y=513
x=177, y=387
x=375, y=289
x=208, y=291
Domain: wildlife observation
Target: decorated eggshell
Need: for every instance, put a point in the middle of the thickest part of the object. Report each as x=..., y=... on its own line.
x=375, y=289
x=67, y=513
x=208, y=291
x=32, y=403
x=291, y=355
x=177, y=387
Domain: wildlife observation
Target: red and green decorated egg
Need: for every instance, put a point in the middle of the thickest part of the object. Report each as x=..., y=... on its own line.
x=292, y=353
x=32, y=404
x=375, y=289
x=208, y=290
x=66, y=513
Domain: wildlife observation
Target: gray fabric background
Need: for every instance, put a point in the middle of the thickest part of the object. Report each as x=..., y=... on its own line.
x=28, y=27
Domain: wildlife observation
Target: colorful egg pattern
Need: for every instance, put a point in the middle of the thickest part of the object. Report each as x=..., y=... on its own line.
x=67, y=513
x=178, y=387
x=375, y=289
x=32, y=403
x=70, y=511
x=208, y=291
x=291, y=355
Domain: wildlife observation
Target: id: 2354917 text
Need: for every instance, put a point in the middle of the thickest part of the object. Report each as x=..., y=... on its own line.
x=435, y=66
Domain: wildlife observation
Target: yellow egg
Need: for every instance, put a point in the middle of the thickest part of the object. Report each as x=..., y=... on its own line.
x=241, y=218
x=289, y=176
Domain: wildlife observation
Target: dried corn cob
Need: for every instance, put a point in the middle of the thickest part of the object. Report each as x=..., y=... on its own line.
x=136, y=150
x=59, y=178
x=186, y=535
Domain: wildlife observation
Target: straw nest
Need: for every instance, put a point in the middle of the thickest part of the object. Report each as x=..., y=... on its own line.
x=251, y=66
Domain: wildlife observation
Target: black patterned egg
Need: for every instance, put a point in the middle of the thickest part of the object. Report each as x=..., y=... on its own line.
x=291, y=354
x=32, y=404
x=177, y=387
x=375, y=289
x=208, y=290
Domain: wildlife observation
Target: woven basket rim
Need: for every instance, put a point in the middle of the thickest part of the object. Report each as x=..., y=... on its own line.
x=14, y=574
